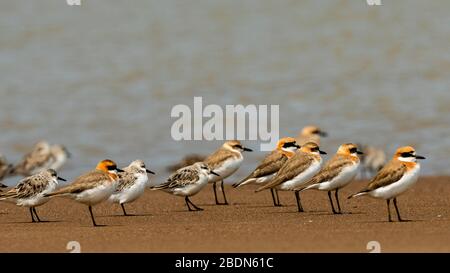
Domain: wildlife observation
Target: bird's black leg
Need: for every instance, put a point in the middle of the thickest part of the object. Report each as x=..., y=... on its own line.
x=190, y=202
x=337, y=200
x=278, y=198
x=299, y=202
x=123, y=209
x=32, y=215
x=331, y=202
x=35, y=213
x=92, y=217
x=273, y=198
x=215, y=193
x=186, y=199
x=398, y=212
x=389, y=209
x=223, y=192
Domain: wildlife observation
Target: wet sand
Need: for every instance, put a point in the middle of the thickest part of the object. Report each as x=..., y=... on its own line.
x=250, y=224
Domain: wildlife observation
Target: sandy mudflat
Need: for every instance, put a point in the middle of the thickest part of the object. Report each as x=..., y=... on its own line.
x=250, y=224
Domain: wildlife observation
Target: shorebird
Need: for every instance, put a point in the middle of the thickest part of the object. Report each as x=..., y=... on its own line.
x=59, y=156
x=31, y=191
x=268, y=168
x=337, y=173
x=35, y=161
x=397, y=176
x=187, y=181
x=372, y=161
x=310, y=134
x=297, y=170
x=5, y=169
x=225, y=161
x=132, y=183
x=92, y=187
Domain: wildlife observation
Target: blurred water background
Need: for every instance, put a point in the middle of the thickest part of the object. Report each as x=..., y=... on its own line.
x=102, y=78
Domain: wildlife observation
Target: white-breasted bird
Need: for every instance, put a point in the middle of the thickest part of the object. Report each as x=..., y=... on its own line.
x=397, y=176
x=132, y=183
x=297, y=170
x=270, y=165
x=187, y=181
x=337, y=173
x=31, y=191
x=225, y=161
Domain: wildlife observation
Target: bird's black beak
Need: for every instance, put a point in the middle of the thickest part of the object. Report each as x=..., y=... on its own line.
x=323, y=134
x=148, y=171
x=420, y=157
x=322, y=152
x=214, y=173
x=119, y=170
x=247, y=149
x=61, y=179
x=359, y=152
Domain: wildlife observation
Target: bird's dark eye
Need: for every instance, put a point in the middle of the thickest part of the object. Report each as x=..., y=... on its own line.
x=316, y=132
x=238, y=146
x=408, y=154
x=289, y=144
x=112, y=168
x=353, y=150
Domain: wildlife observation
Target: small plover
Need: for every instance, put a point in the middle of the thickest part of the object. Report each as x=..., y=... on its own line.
x=5, y=169
x=397, y=176
x=270, y=165
x=337, y=173
x=311, y=134
x=31, y=191
x=59, y=156
x=132, y=183
x=187, y=182
x=35, y=161
x=225, y=161
x=297, y=170
x=92, y=187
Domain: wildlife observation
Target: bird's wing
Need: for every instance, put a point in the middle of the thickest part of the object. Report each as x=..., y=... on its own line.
x=218, y=157
x=293, y=166
x=180, y=178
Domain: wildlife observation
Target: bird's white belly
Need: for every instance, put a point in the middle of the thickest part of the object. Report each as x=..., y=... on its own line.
x=343, y=179
x=399, y=187
x=132, y=193
x=191, y=189
x=226, y=169
x=96, y=195
x=301, y=178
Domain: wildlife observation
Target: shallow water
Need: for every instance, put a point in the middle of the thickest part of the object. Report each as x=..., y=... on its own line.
x=102, y=78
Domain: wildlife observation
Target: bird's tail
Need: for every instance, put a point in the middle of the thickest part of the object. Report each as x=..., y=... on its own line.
x=159, y=187
x=310, y=187
x=361, y=193
x=244, y=182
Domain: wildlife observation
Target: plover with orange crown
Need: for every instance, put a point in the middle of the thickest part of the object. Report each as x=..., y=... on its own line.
x=297, y=170
x=225, y=161
x=270, y=165
x=31, y=191
x=337, y=173
x=397, y=176
x=92, y=187
x=310, y=133
x=132, y=183
x=187, y=181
